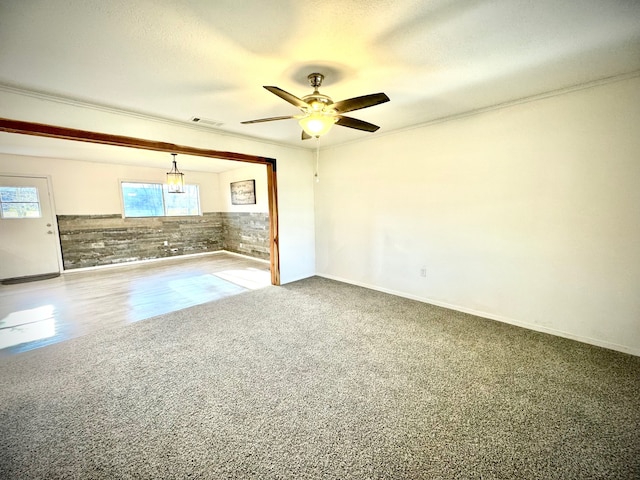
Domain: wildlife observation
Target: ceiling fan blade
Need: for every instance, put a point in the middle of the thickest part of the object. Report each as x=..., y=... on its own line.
x=357, y=124
x=357, y=103
x=270, y=119
x=292, y=99
x=305, y=135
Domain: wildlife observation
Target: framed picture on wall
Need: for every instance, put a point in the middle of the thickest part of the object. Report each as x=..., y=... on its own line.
x=243, y=193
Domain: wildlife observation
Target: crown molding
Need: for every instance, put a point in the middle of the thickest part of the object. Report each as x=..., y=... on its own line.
x=79, y=103
x=499, y=106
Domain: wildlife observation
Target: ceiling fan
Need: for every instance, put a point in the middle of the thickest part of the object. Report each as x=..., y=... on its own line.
x=320, y=113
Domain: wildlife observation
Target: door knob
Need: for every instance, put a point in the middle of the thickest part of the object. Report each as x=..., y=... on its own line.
x=50, y=232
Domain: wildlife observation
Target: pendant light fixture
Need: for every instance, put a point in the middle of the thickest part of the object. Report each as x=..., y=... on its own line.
x=175, y=178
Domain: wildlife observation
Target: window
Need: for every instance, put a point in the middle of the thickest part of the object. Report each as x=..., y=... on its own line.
x=154, y=200
x=187, y=203
x=19, y=202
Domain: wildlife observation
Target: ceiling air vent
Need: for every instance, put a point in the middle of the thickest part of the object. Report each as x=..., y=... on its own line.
x=207, y=122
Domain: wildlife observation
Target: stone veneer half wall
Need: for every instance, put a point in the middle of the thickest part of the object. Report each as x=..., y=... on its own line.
x=94, y=240
x=246, y=233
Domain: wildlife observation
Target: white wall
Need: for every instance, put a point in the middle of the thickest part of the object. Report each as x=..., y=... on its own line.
x=88, y=188
x=294, y=166
x=529, y=214
x=246, y=172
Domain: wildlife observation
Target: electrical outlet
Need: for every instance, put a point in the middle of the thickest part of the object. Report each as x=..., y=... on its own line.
x=423, y=272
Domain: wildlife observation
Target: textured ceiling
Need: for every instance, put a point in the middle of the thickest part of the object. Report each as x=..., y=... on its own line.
x=179, y=59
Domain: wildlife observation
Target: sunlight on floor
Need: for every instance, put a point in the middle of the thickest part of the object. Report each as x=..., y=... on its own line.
x=27, y=326
x=84, y=302
x=251, y=278
x=183, y=292
x=177, y=293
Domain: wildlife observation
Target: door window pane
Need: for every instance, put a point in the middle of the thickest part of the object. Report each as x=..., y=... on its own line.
x=19, y=202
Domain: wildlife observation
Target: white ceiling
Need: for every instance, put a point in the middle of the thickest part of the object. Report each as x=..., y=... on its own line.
x=178, y=59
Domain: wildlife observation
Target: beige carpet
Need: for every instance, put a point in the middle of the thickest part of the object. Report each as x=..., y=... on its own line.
x=319, y=380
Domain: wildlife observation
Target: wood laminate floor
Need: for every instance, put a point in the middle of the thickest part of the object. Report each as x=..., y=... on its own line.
x=43, y=312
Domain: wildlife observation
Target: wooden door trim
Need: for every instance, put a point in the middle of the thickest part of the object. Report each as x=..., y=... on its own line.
x=64, y=133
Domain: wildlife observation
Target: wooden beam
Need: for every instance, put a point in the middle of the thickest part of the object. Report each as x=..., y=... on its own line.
x=274, y=241
x=52, y=131
x=64, y=133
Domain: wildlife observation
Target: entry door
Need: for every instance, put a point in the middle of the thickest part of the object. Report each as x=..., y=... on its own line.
x=28, y=230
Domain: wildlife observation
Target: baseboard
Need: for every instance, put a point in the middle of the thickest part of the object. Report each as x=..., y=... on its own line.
x=518, y=323
x=244, y=256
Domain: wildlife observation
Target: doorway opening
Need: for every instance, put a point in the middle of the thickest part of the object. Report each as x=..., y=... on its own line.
x=52, y=131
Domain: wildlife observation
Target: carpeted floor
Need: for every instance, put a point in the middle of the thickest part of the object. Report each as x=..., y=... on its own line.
x=319, y=380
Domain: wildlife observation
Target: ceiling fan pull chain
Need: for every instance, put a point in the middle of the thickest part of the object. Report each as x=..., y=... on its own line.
x=316, y=176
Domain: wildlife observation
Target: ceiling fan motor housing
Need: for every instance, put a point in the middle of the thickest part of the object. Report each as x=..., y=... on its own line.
x=317, y=101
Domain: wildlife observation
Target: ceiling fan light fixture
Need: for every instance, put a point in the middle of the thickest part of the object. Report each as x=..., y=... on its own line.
x=317, y=124
x=320, y=112
x=175, y=178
